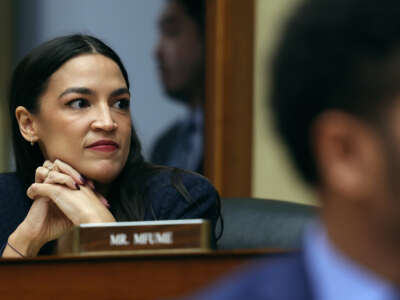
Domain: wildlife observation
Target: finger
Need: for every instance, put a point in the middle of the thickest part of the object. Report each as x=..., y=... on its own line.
x=47, y=190
x=103, y=200
x=43, y=199
x=91, y=184
x=80, y=206
x=41, y=174
x=60, y=178
x=68, y=170
x=39, y=190
x=48, y=164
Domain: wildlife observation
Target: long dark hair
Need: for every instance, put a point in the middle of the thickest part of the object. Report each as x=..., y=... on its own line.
x=30, y=80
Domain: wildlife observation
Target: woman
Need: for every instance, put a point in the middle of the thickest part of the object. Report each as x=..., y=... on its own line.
x=75, y=147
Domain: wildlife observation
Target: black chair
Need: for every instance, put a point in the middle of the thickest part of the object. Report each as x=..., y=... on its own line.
x=260, y=223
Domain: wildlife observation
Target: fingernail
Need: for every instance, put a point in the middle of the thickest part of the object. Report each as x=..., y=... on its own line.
x=91, y=184
x=83, y=180
x=77, y=186
x=105, y=202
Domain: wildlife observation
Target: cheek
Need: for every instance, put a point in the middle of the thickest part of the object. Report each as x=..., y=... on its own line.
x=61, y=140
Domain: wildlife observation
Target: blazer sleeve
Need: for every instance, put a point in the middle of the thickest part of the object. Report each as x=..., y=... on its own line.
x=14, y=206
x=2, y=247
x=169, y=203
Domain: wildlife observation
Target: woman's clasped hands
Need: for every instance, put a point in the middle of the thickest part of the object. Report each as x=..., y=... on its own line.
x=61, y=198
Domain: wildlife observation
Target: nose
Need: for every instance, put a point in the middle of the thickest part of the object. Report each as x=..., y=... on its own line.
x=103, y=119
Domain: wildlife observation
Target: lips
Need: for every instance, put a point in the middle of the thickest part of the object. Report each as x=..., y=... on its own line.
x=103, y=146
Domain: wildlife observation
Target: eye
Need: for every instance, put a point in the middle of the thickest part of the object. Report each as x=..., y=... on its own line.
x=122, y=104
x=78, y=103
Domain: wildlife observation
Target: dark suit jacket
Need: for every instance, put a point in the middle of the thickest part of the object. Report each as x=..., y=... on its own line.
x=283, y=278
x=165, y=145
x=167, y=202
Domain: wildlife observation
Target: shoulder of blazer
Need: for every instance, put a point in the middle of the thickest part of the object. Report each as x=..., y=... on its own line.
x=170, y=203
x=280, y=278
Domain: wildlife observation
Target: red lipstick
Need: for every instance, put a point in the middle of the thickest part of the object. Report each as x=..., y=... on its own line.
x=104, y=146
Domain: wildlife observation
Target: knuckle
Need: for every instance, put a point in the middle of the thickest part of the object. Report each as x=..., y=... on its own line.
x=42, y=171
x=51, y=175
x=70, y=180
x=47, y=164
x=32, y=190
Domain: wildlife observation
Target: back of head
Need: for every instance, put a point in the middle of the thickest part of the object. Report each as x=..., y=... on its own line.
x=334, y=54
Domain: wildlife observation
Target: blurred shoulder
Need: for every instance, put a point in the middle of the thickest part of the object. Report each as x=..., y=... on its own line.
x=165, y=143
x=264, y=279
x=169, y=133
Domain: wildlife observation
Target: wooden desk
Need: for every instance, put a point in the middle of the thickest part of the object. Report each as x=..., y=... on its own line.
x=141, y=276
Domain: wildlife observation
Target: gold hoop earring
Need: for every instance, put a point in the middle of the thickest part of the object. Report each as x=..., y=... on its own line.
x=32, y=142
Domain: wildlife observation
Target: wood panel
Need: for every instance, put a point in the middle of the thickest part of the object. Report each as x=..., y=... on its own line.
x=136, y=277
x=6, y=46
x=229, y=95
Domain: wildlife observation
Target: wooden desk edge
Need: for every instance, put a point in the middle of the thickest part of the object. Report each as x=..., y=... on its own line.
x=156, y=255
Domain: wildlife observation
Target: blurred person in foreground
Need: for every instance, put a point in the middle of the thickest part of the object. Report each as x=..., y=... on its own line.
x=75, y=146
x=180, y=57
x=336, y=100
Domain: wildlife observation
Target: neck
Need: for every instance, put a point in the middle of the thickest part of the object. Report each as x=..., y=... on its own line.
x=196, y=99
x=354, y=233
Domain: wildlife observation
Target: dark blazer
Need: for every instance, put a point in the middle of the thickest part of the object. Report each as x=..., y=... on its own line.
x=165, y=145
x=166, y=201
x=282, y=278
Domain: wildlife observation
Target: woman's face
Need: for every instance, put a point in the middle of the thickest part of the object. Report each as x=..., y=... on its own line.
x=84, y=117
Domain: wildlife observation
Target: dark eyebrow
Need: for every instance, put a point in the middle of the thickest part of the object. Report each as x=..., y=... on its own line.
x=77, y=90
x=86, y=91
x=120, y=91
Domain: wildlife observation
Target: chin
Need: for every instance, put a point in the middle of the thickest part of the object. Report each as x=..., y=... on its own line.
x=106, y=179
x=102, y=174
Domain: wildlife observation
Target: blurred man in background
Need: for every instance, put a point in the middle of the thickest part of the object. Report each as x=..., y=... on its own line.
x=336, y=100
x=180, y=56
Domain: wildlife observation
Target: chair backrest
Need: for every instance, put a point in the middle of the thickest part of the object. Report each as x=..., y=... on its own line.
x=260, y=223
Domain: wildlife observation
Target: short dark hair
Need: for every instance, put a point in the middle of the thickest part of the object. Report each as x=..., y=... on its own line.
x=196, y=10
x=334, y=54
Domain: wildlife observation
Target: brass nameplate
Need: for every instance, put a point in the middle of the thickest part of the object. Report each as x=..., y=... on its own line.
x=125, y=237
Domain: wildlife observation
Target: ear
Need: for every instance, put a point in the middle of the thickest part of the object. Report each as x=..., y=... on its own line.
x=26, y=123
x=346, y=152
